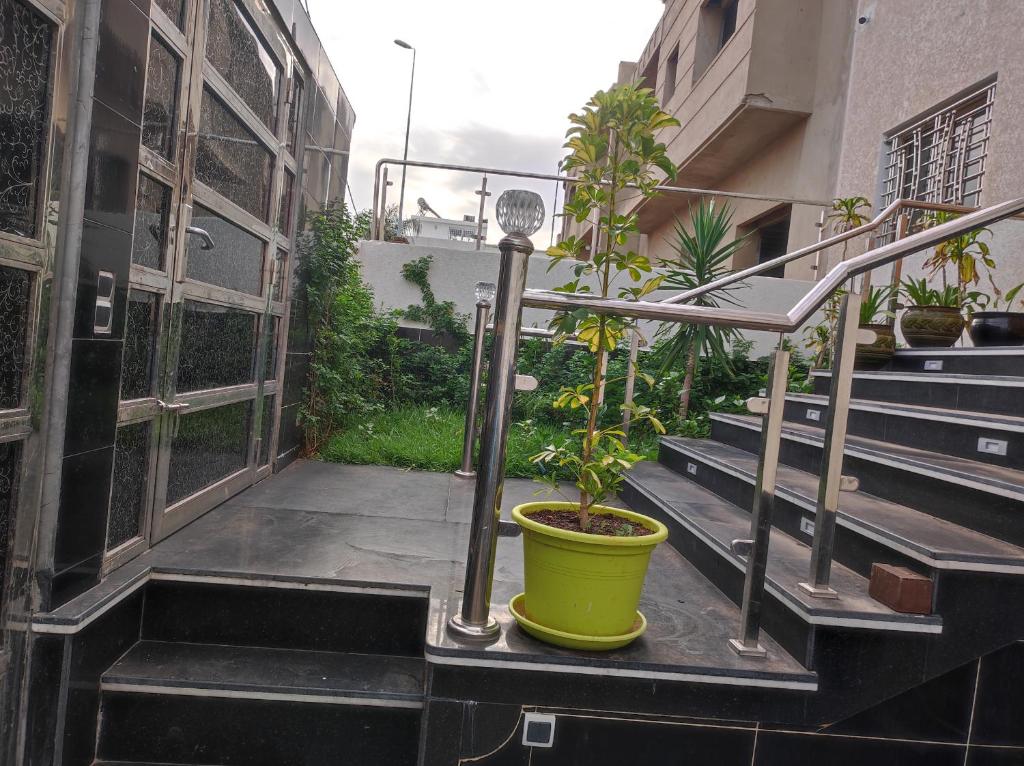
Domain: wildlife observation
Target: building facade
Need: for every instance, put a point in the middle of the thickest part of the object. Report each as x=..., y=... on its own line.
x=809, y=100
x=157, y=161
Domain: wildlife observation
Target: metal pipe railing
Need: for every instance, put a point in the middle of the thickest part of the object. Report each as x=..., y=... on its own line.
x=748, y=644
x=474, y=621
x=483, y=308
x=662, y=188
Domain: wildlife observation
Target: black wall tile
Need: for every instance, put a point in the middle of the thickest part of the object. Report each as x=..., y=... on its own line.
x=775, y=749
x=121, y=57
x=82, y=515
x=203, y=730
x=441, y=733
x=994, y=756
x=44, y=690
x=279, y=617
x=74, y=581
x=103, y=249
x=94, y=650
x=938, y=710
x=113, y=169
x=999, y=710
x=92, y=396
x=609, y=741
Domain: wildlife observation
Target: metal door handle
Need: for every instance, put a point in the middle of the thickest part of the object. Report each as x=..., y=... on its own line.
x=208, y=243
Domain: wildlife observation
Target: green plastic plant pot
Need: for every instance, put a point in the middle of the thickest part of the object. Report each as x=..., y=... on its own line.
x=583, y=584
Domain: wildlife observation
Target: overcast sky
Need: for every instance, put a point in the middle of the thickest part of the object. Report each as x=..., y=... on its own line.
x=495, y=82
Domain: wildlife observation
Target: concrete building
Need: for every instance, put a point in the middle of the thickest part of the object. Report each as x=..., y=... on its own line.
x=807, y=100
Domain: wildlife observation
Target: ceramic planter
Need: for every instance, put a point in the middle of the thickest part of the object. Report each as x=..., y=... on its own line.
x=931, y=326
x=997, y=328
x=582, y=590
x=874, y=356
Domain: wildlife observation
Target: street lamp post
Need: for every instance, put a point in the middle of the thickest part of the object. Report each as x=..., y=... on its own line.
x=408, y=123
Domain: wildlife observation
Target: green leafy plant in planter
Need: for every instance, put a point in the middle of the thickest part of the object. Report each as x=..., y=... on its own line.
x=873, y=308
x=585, y=563
x=848, y=213
x=933, y=316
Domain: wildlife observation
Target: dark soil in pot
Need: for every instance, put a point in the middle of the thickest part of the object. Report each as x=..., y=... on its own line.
x=997, y=328
x=931, y=326
x=600, y=524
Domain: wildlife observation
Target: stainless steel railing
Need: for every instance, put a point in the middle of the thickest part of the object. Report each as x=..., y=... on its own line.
x=474, y=620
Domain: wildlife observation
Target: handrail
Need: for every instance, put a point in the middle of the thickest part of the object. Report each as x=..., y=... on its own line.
x=794, y=319
x=817, y=247
x=664, y=188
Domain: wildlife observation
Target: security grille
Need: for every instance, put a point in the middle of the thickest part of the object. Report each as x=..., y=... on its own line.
x=941, y=157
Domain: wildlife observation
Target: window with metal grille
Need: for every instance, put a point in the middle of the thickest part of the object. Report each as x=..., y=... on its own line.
x=942, y=156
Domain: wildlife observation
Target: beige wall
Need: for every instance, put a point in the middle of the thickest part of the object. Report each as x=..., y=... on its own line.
x=788, y=56
x=912, y=56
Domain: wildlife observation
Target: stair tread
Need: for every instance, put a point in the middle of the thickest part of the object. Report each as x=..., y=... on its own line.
x=930, y=537
x=982, y=419
x=1016, y=381
x=721, y=522
x=1002, y=480
x=259, y=672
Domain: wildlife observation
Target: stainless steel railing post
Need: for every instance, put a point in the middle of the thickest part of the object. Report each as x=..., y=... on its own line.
x=483, y=308
x=831, y=476
x=474, y=619
x=748, y=644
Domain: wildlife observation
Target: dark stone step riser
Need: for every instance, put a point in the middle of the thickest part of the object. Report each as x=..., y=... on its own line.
x=788, y=628
x=851, y=549
x=182, y=729
x=946, y=438
x=965, y=506
x=945, y=395
x=960, y=364
x=284, y=618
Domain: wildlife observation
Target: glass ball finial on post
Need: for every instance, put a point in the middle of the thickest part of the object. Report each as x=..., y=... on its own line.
x=520, y=212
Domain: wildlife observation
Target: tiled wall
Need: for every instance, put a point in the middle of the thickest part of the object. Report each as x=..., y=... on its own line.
x=971, y=716
x=106, y=246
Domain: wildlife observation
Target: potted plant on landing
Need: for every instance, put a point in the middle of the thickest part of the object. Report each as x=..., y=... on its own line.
x=933, y=318
x=585, y=563
x=1000, y=328
x=874, y=356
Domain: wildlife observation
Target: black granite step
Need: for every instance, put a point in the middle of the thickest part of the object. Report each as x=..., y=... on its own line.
x=869, y=529
x=282, y=673
x=203, y=609
x=702, y=527
x=968, y=360
x=973, y=435
x=206, y=704
x=1002, y=395
x=979, y=496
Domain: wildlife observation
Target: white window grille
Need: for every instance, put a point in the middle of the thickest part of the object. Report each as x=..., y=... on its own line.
x=941, y=157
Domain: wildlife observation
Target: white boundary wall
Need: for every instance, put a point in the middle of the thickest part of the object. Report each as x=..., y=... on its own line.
x=455, y=272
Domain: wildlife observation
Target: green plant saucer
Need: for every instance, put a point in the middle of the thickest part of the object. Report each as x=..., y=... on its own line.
x=573, y=640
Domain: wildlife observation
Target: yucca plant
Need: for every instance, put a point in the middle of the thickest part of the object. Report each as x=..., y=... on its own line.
x=703, y=255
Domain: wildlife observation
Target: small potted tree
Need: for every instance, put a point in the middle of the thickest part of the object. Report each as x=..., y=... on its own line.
x=585, y=563
x=874, y=356
x=933, y=317
x=1000, y=328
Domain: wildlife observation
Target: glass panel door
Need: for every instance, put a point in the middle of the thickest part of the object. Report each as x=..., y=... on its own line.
x=200, y=371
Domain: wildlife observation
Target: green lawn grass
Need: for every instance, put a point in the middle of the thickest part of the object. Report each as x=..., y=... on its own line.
x=430, y=439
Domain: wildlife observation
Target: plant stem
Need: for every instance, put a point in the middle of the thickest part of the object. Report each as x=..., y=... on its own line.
x=691, y=372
